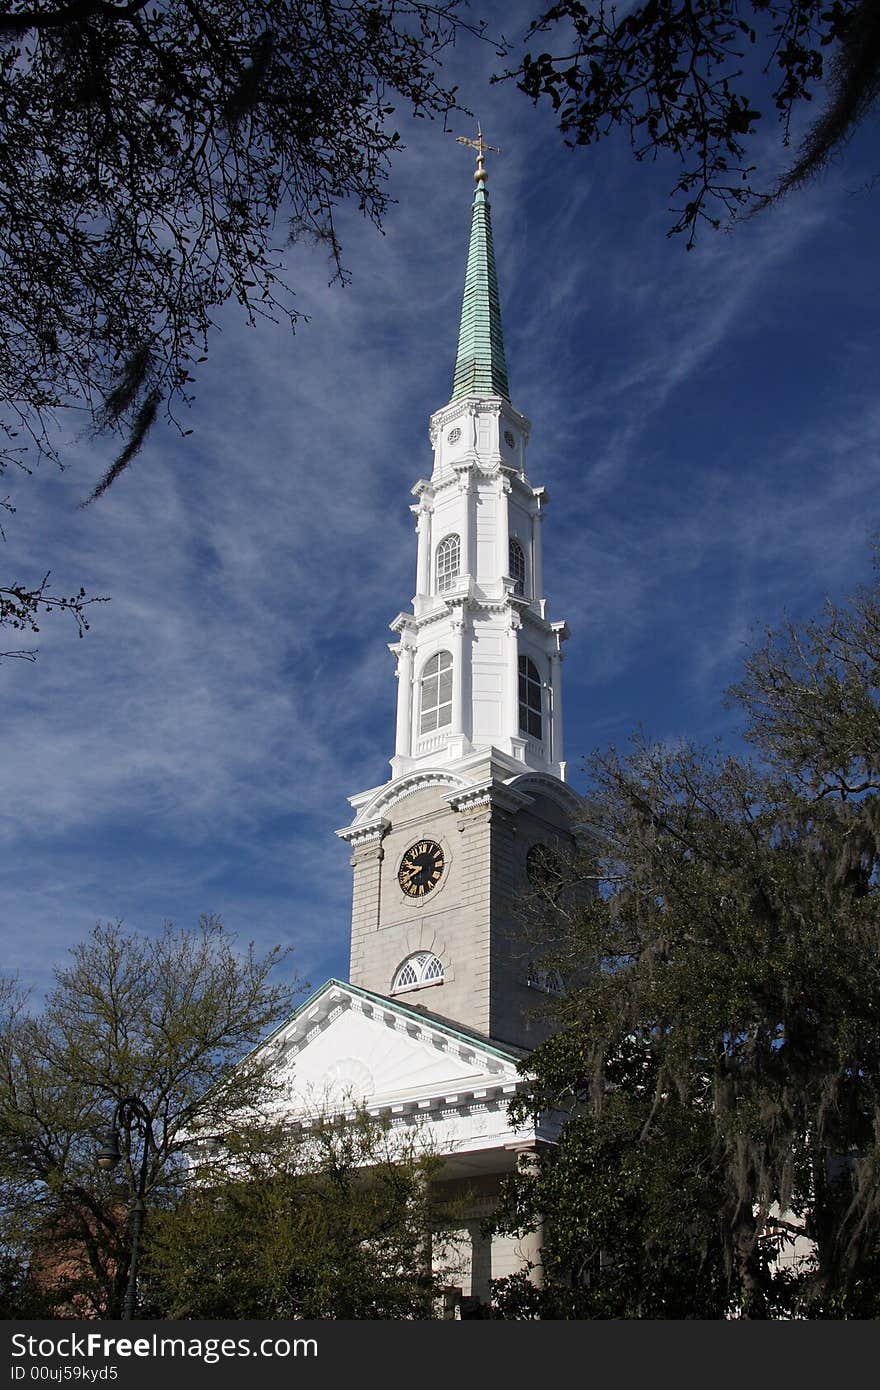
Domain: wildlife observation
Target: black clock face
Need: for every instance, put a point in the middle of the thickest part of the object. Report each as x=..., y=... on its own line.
x=421, y=868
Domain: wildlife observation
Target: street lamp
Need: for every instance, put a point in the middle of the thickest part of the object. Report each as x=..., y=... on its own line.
x=130, y=1114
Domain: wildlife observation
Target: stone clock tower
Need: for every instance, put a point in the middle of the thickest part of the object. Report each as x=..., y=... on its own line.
x=477, y=803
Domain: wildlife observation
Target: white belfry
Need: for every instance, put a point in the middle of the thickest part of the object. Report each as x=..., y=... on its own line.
x=479, y=599
x=479, y=603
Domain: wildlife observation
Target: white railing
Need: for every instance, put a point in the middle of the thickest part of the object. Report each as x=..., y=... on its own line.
x=428, y=742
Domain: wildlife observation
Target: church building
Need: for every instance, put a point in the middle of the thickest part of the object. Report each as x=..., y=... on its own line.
x=443, y=1000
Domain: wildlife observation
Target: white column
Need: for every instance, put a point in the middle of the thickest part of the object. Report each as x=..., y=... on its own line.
x=501, y=522
x=457, y=671
x=556, y=744
x=531, y=1243
x=472, y=428
x=465, y=558
x=538, y=554
x=403, y=737
x=423, y=570
x=511, y=702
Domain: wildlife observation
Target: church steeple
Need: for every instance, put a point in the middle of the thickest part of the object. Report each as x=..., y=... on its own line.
x=442, y=850
x=480, y=368
x=478, y=657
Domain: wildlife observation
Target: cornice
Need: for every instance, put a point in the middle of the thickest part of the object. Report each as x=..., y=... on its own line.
x=497, y=795
x=393, y=792
x=364, y=832
x=528, y=614
x=403, y=622
x=512, y=603
x=434, y=615
x=519, y=481
x=455, y=410
x=497, y=1073
x=449, y=473
x=432, y=1109
x=478, y=405
x=534, y=784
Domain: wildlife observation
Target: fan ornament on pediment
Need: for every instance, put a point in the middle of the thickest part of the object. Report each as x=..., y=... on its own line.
x=350, y=1077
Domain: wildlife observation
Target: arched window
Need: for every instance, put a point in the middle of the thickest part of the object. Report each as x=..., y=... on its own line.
x=517, y=566
x=436, y=703
x=424, y=968
x=548, y=980
x=448, y=562
x=529, y=698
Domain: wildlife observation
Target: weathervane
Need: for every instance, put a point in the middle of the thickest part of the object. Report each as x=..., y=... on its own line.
x=481, y=147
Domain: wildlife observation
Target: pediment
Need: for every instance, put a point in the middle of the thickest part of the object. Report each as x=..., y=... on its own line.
x=348, y=1047
x=397, y=789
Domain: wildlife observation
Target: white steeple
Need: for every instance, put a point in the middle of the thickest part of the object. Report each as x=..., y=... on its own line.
x=444, y=850
x=478, y=659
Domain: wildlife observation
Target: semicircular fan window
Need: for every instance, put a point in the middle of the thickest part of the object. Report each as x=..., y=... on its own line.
x=423, y=968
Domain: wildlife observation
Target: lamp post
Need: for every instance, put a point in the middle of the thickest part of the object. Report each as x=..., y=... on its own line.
x=130, y=1114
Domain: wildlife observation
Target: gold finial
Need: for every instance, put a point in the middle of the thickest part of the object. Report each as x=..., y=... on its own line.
x=481, y=147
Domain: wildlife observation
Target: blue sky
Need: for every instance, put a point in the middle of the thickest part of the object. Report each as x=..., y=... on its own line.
x=707, y=424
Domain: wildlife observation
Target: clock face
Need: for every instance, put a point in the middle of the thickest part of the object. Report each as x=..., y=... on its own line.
x=421, y=868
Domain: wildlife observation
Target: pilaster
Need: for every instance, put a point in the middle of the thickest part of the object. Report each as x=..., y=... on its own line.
x=366, y=908
x=468, y=539
x=423, y=512
x=538, y=513
x=405, y=652
x=502, y=523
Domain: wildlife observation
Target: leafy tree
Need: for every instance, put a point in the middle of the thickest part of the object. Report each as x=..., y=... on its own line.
x=148, y=155
x=167, y=1019
x=719, y=1058
x=693, y=78
x=154, y=160
x=632, y=1228
x=21, y=1293
x=337, y=1223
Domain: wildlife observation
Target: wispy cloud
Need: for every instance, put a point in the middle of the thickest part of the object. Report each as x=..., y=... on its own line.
x=707, y=469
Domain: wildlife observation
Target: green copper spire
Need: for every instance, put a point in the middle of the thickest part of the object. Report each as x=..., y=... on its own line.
x=480, y=368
